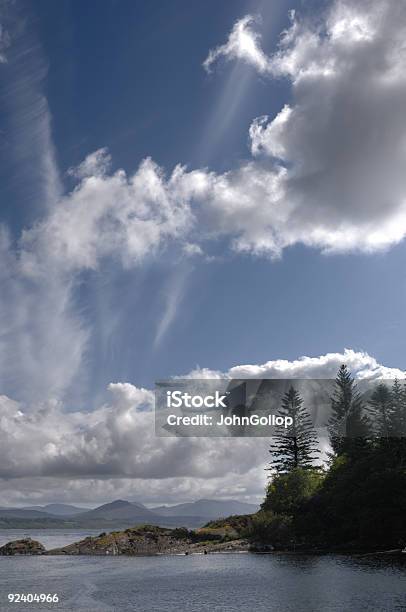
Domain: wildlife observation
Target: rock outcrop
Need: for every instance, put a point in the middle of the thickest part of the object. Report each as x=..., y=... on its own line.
x=148, y=540
x=143, y=540
x=25, y=546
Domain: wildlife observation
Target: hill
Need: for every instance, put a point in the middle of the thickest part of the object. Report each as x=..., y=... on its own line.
x=119, y=510
x=207, y=508
x=58, y=509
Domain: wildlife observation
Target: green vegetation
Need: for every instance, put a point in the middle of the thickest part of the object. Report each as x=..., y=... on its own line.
x=228, y=529
x=235, y=522
x=295, y=446
x=349, y=426
x=359, y=501
x=287, y=493
x=286, y=497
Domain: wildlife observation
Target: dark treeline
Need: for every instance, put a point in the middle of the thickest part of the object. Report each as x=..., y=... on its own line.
x=357, y=500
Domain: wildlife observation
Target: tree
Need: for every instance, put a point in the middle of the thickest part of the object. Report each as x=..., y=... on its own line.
x=296, y=445
x=348, y=426
x=398, y=416
x=286, y=493
x=381, y=408
x=270, y=528
x=395, y=445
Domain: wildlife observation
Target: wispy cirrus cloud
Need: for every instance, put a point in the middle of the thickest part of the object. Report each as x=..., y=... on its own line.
x=4, y=42
x=173, y=296
x=28, y=146
x=42, y=339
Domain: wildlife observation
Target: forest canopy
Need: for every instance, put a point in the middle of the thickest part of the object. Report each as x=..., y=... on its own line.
x=357, y=499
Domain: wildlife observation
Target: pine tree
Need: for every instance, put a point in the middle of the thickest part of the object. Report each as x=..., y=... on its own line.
x=398, y=417
x=393, y=444
x=348, y=427
x=295, y=446
x=382, y=410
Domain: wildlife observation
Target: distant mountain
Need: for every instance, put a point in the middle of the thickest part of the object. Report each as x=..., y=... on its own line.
x=13, y=522
x=119, y=510
x=120, y=513
x=24, y=513
x=58, y=509
x=207, y=508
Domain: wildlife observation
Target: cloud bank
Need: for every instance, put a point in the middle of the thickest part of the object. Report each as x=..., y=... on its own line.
x=115, y=444
x=362, y=365
x=331, y=175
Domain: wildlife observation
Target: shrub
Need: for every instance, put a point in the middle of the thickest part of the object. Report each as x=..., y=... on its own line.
x=287, y=492
x=274, y=529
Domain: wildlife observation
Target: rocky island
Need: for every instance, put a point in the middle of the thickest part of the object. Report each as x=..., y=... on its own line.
x=141, y=540
x=26, y=546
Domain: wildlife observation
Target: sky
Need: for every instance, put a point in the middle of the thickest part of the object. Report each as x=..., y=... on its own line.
x=188, y=187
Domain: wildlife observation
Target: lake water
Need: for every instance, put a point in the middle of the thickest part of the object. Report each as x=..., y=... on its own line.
x=199, y=583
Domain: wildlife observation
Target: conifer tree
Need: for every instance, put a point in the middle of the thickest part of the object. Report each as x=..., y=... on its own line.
x=348, y=426
x=294, y=446
x=392, y=441
x=398, y=417
x=382, y=411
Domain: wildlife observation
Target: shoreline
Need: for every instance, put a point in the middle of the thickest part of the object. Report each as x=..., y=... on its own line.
x=231, y=548
x=150, y=540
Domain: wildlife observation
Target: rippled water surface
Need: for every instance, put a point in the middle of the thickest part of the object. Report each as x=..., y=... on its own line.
x=216, y=583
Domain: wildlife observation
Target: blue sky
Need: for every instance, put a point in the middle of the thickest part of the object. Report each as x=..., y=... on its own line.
x=281, y=237
x=128, y=76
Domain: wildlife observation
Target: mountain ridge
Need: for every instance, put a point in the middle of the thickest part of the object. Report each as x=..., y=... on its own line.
x=58, y=509
x=121, y=512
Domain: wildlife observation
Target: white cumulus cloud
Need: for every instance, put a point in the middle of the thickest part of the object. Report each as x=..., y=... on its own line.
x=330, y=166
x=113, y=451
